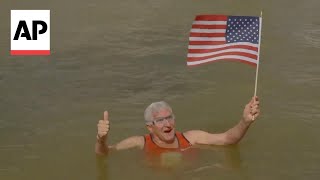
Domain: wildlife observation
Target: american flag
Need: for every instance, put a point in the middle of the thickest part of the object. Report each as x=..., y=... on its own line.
x=219, y=37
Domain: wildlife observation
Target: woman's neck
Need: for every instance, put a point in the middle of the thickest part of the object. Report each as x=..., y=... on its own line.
x=164, y=144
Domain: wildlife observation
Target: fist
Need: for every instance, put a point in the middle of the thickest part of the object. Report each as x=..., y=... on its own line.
x=251, y=111
x=103, y=126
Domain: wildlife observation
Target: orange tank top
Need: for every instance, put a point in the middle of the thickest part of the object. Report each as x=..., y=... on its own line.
x=151, y=147
x=163, y=157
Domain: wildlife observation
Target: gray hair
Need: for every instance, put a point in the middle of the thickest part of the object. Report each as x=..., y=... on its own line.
x=154, y=108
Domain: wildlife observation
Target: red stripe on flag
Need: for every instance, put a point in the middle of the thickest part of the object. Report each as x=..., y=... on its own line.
x=29, y=52
x=252, y=56
x=234, y=59
x=207, y=42
x=202, y=26
x=224, y=48
x=207, y=34
x=211, y=18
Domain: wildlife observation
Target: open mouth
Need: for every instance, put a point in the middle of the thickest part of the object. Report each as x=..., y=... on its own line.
x=167, y=131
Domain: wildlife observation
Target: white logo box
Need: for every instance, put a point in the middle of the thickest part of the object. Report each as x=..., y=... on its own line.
x=22, y=46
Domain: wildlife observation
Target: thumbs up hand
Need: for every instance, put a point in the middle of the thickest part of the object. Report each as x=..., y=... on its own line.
x=103, y=127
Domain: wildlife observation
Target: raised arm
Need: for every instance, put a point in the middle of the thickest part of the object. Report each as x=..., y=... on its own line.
x=233, y=135
x=102, y=147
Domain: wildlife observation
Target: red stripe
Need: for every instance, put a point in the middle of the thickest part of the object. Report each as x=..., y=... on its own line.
x=219, y=49
x=252, y=56
x=207, y=42
x=236, y=60
x=211, y=18
x=207, y=34
x=30, y=52
x=202, y=26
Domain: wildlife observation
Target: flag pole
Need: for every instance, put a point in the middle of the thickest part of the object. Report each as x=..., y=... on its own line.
x=258, y=59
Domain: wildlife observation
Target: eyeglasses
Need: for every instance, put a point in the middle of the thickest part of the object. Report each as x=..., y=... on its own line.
x=161, y=121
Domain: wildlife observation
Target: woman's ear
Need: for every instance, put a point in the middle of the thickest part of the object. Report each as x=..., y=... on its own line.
x=149, y=127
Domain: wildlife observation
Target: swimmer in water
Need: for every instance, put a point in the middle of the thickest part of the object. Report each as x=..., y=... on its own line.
x=163, y=137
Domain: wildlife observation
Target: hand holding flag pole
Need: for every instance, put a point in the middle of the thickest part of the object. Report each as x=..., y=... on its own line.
x=220, y=37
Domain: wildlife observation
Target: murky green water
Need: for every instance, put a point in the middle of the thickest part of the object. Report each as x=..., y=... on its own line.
x=122, y=55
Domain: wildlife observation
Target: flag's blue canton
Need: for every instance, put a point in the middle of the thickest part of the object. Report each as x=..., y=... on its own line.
x=242, y=29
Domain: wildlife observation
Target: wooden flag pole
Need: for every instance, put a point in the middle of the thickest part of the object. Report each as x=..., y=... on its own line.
x=258, y=59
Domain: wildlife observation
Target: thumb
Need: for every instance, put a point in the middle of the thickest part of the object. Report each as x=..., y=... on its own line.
x=105, y=116
x=253, y=99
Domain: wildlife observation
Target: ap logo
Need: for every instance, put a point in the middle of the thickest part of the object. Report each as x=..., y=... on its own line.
x=30, y=32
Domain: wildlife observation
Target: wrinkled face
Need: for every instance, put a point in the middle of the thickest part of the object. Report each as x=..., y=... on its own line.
x=163, y=126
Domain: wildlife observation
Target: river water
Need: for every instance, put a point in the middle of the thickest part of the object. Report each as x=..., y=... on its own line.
x=122, y=55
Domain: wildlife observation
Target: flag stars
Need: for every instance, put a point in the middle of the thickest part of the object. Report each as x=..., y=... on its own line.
x=242, y=29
